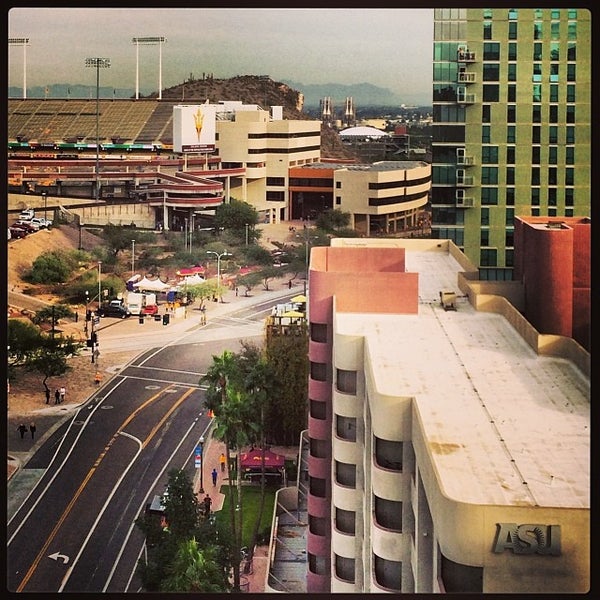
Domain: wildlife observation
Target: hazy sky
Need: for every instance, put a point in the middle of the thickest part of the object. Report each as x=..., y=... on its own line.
x=390, y=47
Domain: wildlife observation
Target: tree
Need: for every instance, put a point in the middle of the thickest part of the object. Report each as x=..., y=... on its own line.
x=181, y=505
x=235, y=215
x=118, y=237
x=267, y=274
x=51, y=267
x=218, y=376
x=52, y=314
x=331, y=220
x=249, y=281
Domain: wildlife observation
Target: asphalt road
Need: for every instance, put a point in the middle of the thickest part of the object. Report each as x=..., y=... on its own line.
x=74, y=503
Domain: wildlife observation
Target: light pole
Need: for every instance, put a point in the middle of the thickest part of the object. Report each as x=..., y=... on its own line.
x=45, y=198
x=87, y=313
x=99, y=283
x=22, y=42
x=98, y=63
x=132, y=258
x=224, y=253
x=201, y=442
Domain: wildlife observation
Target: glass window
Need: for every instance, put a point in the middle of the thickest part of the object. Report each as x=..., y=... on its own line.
x=487, y=31
x=536, y=134
x=570, y=135
x=553, y=155
x=513, y=14
x=510, y=155
x=553, y=134
x=535, y=196
x=512, y=51
x=317, y=487
x=318, y=409
x=485, y=134
x=537, y=31
x=552, y=176
x=487, y=257
x=570, y=155
x=551, y=212
x=569, y=197
x=537, y=72
x=511, y=113
x=571, y=13
x=388, y=454
x=318, y=564
x=554, y=72
x=512, y=31
x=553, y=92
x=537, y=13
x=489, y=196
x=485, y=113
x=318, y=525
x=554, y=51
x=489, y=175
x=570, y=93
x=572, y=31
x=555, y=14
x=491, y=51
x=569, y=176
x=509, y=238
x=345, y=520
x=484, y=237
x=510, y=196
x=537, y=50
x=318, y=332
x=345, y=474
x=388, y=513
x=485, y=216
x=489, y=155
x=536, y=94
x=512, y=71
x=570, y=114
x=510, y=175
x=535, y=155
x=511, y=134
x=535, y=176
x=552, y=113
x=344, y=568
x=318, y=448
x=487, y=13
x=555, y=31
x=345, y=428
x=388, y=573
x=552, y=196
x=510, y=216
x=346, y=381
x=491, y=72
x=318, y=371
x=535, y=212
x=536, y=116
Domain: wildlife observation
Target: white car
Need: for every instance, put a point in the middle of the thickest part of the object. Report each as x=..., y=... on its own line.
x=41, y=222
x=27, y=214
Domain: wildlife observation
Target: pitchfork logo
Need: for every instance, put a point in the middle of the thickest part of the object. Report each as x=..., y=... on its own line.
x=528, y=539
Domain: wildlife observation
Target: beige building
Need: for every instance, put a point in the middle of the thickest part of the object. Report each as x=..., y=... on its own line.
x=449, y=449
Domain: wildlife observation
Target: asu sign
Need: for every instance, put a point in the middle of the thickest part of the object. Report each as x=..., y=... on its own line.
x=527, y=539
x=194, y=128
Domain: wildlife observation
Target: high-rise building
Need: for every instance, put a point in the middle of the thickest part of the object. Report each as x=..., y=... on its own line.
x=512, y=125
x=449, y=441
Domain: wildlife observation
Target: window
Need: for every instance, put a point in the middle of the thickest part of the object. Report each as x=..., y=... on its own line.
x=569, y=176
x=570, y=114
x=388, y=513
x=571, y=72
x=570, y=155
x=510, y=175
x=487, y=31
x=554, y=73
x=344, y=568
x=461, y=578
x=511, y=113
x=536, y=93
x=537, y=51
x=512, y=51
x=510, y=217
x=513, y=14
x=491, y=72
x=553, y=155
x=388, y=454
x=553, y=92
x=338, y=185
x=570, y=93
x=345, y=474
x=318, y=409
x=484, y=237
x=489, y=196
x=489, y=154
x=317, y=487
x=488, y=257
x=491, y=51
x=489, y=175
x=491, y=93
x=346, y=381
x=552, y=176
x=318, y=564
x=552, y=196
x=536, y=134
x=511, y=134
x=511, y=92
x=275, y=180
x=388, y=573
x=345, y=428
x=555, y=14
x=537, y=31
x=537, y=72
x=345, y=521
x=485, y=216
x=553, y=113
x=512, y=72
x=512, y=31
x=553, y=134
x=569, y=197
x=318, y=332
x=535, y=212
x=535, y=176
x=536, y=114
x=535, y=155
x=272, y=196
x=318, y=525
x=510, y=196
x=554, y=51
x=338, y=200
x=572, y=31
x=552, y=212
x=535, y=196
x=555, y=31
x=318, y=448
x=318, y=371
x=485, y=113
x=570, y=134
x=485, y=134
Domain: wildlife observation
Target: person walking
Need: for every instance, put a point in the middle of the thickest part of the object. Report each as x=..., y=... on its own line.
x=63, y=392
x=47, y=395
x=222, y=462
x=97, y=378
x=22, y=428
x=32, y=429
x=207, y=504
x=56, y=397
x=214, y=476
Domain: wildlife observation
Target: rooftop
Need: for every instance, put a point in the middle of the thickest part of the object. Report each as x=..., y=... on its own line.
x=505, y=426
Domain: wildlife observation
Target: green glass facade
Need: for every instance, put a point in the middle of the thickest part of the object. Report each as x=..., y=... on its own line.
x=512, y=125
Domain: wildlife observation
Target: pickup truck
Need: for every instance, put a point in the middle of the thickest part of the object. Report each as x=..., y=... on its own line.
x=41, y=222
x=150, y=309
x=27, y=214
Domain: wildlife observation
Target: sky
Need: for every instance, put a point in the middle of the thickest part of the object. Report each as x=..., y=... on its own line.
x=389, y=47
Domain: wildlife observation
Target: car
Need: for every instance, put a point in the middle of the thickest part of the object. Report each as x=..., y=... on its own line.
x=41, y=222
x=16, y=233
x=108, y=310
x=26, y=225
x=150, y=309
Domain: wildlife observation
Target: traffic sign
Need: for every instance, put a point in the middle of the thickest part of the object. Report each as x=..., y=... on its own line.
x=197, y=462
x=198, y=450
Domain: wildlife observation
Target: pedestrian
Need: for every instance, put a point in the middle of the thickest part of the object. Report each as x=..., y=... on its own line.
x=47, y=395
x=214, y=476
x=56, y=397
x=222, y=461
x=290, y=284
x=22, y=428
x=207, y=503
x=32, y=429
x=236, y=290
x=97, y=378
x=63, y=391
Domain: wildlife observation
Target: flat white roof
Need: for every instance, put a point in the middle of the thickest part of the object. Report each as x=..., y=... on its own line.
x=504, y=425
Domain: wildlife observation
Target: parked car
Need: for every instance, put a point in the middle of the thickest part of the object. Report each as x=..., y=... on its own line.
x=150, y=309
x=27, y=214
x=26, y=225
x=16, y=233
x=109, y=310
x=41, y=222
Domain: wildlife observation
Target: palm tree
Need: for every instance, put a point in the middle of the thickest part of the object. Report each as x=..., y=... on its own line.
x=220, y=374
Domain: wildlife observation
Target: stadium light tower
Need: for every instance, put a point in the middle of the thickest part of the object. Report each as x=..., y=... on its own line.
x=22, y=42
x=98, y=63
x=148, y=41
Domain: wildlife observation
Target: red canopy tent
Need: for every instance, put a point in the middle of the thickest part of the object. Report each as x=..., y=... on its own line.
x=252, y=460
x=190, y=271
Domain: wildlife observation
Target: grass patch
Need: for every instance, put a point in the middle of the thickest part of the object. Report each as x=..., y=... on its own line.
x=250, y=508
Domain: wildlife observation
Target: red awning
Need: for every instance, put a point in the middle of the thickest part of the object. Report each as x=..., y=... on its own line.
x=252, y=459
x=189, y=271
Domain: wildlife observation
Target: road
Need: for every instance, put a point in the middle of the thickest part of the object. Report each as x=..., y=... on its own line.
x=75, y=531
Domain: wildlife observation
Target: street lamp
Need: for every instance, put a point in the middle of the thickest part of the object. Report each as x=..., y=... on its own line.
x=132, y=258
x=45, y=198
x=22, y=42
x=224, y=253
x=98, y=63
x=201, y=442
x=99, y=284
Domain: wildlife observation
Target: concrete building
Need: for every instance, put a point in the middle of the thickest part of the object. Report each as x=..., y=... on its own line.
x=512, y=125
x=449, y=450
x=383, y=197
x=553, y=261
